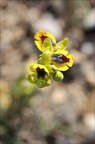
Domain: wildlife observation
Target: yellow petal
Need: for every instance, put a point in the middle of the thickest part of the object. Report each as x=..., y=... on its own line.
x=51, y=36
x=33, y=67
x=64, y=52
x=39, y=33
x=70, y=63
x=38, y=44
x=61, y=67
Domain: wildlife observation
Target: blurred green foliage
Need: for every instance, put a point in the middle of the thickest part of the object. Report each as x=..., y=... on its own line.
x=22, y=90
x=21, y=93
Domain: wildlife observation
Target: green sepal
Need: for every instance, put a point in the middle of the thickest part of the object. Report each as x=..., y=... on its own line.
x=48, y=82
x=43, y=83
x=47, y=45
x=46, y=56
x=62, y=44
x=32, y=78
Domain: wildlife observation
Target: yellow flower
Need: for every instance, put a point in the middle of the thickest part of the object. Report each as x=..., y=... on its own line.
x=62, y=60
x=39, y=69
x=41, y=36
x=39, y=76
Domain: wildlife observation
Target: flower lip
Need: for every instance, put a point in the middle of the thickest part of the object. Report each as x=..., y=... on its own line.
x=40, y=73
x=60, y=58
x=43, y=38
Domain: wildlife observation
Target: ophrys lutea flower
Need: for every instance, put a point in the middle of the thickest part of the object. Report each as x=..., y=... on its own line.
x=62, y=60
x=57, y=57
x=54, y=59
x=39, y=76
x=40, y=36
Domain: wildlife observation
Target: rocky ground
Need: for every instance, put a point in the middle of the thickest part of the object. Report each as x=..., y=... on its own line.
x=62, y=113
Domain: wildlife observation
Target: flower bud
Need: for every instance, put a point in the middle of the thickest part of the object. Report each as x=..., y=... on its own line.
x=58, y=76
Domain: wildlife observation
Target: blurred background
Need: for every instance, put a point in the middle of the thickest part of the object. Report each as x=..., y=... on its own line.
x=62, y=113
